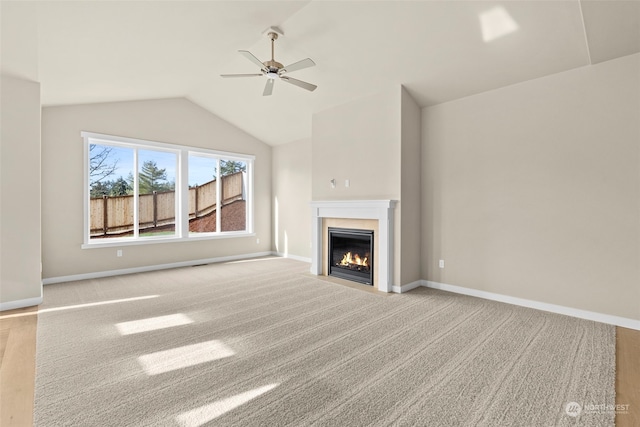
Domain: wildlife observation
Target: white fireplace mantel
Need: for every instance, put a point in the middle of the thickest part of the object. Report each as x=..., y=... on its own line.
x=382, y=210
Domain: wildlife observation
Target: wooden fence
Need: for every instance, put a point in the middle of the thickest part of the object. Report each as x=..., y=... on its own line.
x=112, y=215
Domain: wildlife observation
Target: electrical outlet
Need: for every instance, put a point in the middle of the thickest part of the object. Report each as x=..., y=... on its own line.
x=441, y=263
x=119, y=252
x=347, y=183
x=258, y=241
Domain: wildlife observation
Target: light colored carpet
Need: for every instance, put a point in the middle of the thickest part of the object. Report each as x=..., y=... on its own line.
x=262, y=342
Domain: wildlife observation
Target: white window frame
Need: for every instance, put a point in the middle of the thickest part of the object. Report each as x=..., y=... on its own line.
x=182, y=153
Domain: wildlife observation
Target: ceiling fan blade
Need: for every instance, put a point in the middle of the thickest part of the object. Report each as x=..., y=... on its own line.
x=240, y=75
x=305, y=63
x=299, y=83
x=251, y=58
x=268, y=88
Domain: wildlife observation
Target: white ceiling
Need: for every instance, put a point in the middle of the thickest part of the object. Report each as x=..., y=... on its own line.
x=100, y=51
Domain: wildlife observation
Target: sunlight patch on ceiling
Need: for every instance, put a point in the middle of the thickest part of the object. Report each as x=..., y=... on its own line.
x=152, y=324
x=94, y=304
x=202, y=415
x=496, y=23
x=183, y=357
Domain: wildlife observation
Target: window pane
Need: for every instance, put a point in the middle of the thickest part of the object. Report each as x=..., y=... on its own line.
x=110, y=191
x=156, y=193
x=232, y=187
x=202, y=194
x=136, y=190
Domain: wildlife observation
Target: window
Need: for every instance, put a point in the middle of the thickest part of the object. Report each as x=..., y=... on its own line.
x=144, y=192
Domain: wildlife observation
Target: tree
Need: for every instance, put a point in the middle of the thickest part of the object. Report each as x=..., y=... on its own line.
x=100, y=188
x=130, y=179
x=227, y=167
x=120, y=187
x=151, y=178
x=99, y=165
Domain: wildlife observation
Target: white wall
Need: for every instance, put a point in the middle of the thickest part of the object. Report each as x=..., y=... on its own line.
x=176, y=121
x=533, y=190
x=410, y=172
x=363, y=141
x=291, y=196
x=20, y=279
x=359, y=141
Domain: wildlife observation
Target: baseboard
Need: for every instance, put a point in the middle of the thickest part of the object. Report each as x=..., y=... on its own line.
x=407, y=287
x=108, y=273
x=553, y=308
x=290, y=256
x=29, y=302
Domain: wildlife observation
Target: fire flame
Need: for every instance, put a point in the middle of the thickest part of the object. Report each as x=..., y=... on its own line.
x=355, y=259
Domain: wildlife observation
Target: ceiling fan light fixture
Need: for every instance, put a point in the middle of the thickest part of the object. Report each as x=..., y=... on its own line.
x=273, y=70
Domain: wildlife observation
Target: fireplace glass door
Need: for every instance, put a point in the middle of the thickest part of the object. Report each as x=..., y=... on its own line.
x=351, y=254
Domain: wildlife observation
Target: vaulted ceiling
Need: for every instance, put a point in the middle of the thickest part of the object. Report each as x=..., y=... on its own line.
x=101, y=51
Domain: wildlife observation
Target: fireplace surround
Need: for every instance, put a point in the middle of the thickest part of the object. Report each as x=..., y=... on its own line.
x=343, y=211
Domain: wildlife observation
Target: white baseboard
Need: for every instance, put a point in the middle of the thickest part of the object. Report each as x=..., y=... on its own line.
x=29, y=302
x=407, y=287
x=290, y=256
x=553, y=308
x=108, y=273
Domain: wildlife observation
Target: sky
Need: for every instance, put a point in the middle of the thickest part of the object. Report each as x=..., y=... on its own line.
x=201, y=169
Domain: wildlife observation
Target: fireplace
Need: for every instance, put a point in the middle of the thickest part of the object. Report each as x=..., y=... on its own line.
x=351, y=254
x=344, y=213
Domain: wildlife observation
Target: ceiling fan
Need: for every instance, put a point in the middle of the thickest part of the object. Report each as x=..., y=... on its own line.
x=274, y=70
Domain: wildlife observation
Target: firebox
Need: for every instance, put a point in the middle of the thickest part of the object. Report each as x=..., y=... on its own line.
x=351, y=254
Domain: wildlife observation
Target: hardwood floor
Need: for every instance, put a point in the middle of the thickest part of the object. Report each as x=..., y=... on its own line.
x=17, y=366
x=628, y=376
x=18, y=352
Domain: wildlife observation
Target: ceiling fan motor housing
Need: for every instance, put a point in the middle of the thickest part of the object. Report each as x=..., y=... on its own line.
x=273, y=65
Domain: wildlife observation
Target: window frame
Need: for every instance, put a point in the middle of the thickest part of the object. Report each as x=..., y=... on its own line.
x=182, y=153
